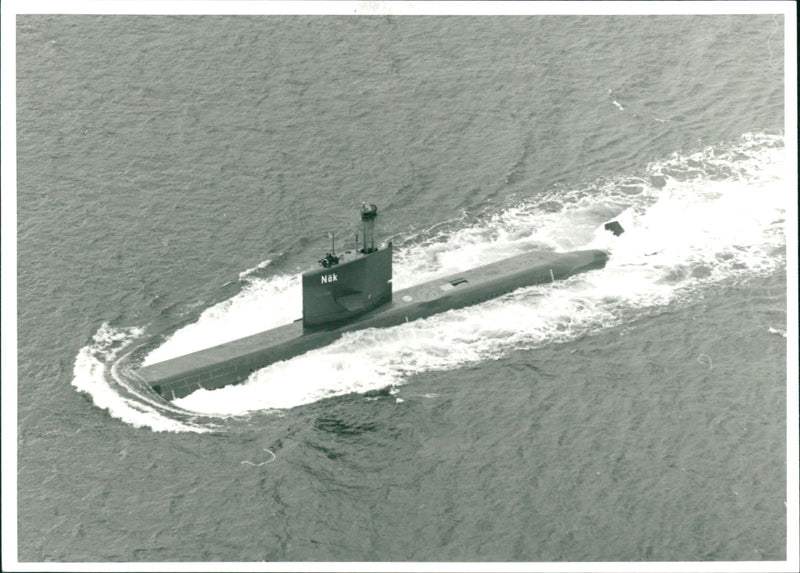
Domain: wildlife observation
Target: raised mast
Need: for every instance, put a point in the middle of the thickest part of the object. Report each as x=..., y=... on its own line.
x=368, y=215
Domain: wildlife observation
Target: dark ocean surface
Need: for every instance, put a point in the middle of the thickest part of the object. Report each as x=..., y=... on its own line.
x=176, y=173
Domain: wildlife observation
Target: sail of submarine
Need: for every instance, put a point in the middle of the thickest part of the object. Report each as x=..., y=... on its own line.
x=353, y=291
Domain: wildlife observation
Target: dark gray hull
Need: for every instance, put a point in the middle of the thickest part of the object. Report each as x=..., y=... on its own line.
x=233, y=362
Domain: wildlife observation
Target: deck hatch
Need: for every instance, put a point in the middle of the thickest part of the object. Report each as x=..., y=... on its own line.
x=453, y=283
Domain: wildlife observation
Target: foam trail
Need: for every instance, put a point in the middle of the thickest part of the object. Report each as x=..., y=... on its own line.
x=91, y=376
x=777, y=331
x=261, y=305
x=714, y=216
x=262, y=265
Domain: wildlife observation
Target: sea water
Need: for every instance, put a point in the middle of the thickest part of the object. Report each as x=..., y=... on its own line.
x=176, y=174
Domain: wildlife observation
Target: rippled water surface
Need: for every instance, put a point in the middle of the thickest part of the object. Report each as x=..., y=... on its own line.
x=176, y=173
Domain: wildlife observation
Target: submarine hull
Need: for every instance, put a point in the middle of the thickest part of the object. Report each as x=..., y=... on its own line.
x=233, y=362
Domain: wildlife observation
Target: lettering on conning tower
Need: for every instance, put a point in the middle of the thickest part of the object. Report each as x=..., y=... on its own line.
x=350, y=284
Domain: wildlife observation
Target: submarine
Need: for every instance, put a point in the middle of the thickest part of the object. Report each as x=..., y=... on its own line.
x=353, y=291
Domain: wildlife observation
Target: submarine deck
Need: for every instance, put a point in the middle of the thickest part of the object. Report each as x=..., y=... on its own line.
x=234, y=361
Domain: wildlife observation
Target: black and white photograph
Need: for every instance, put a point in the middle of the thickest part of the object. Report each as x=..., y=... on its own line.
x=399, y=286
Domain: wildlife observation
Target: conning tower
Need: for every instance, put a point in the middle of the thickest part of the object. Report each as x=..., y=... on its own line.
x=350, y=284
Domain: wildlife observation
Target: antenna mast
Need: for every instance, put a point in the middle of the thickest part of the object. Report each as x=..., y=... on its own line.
x=368, y=215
